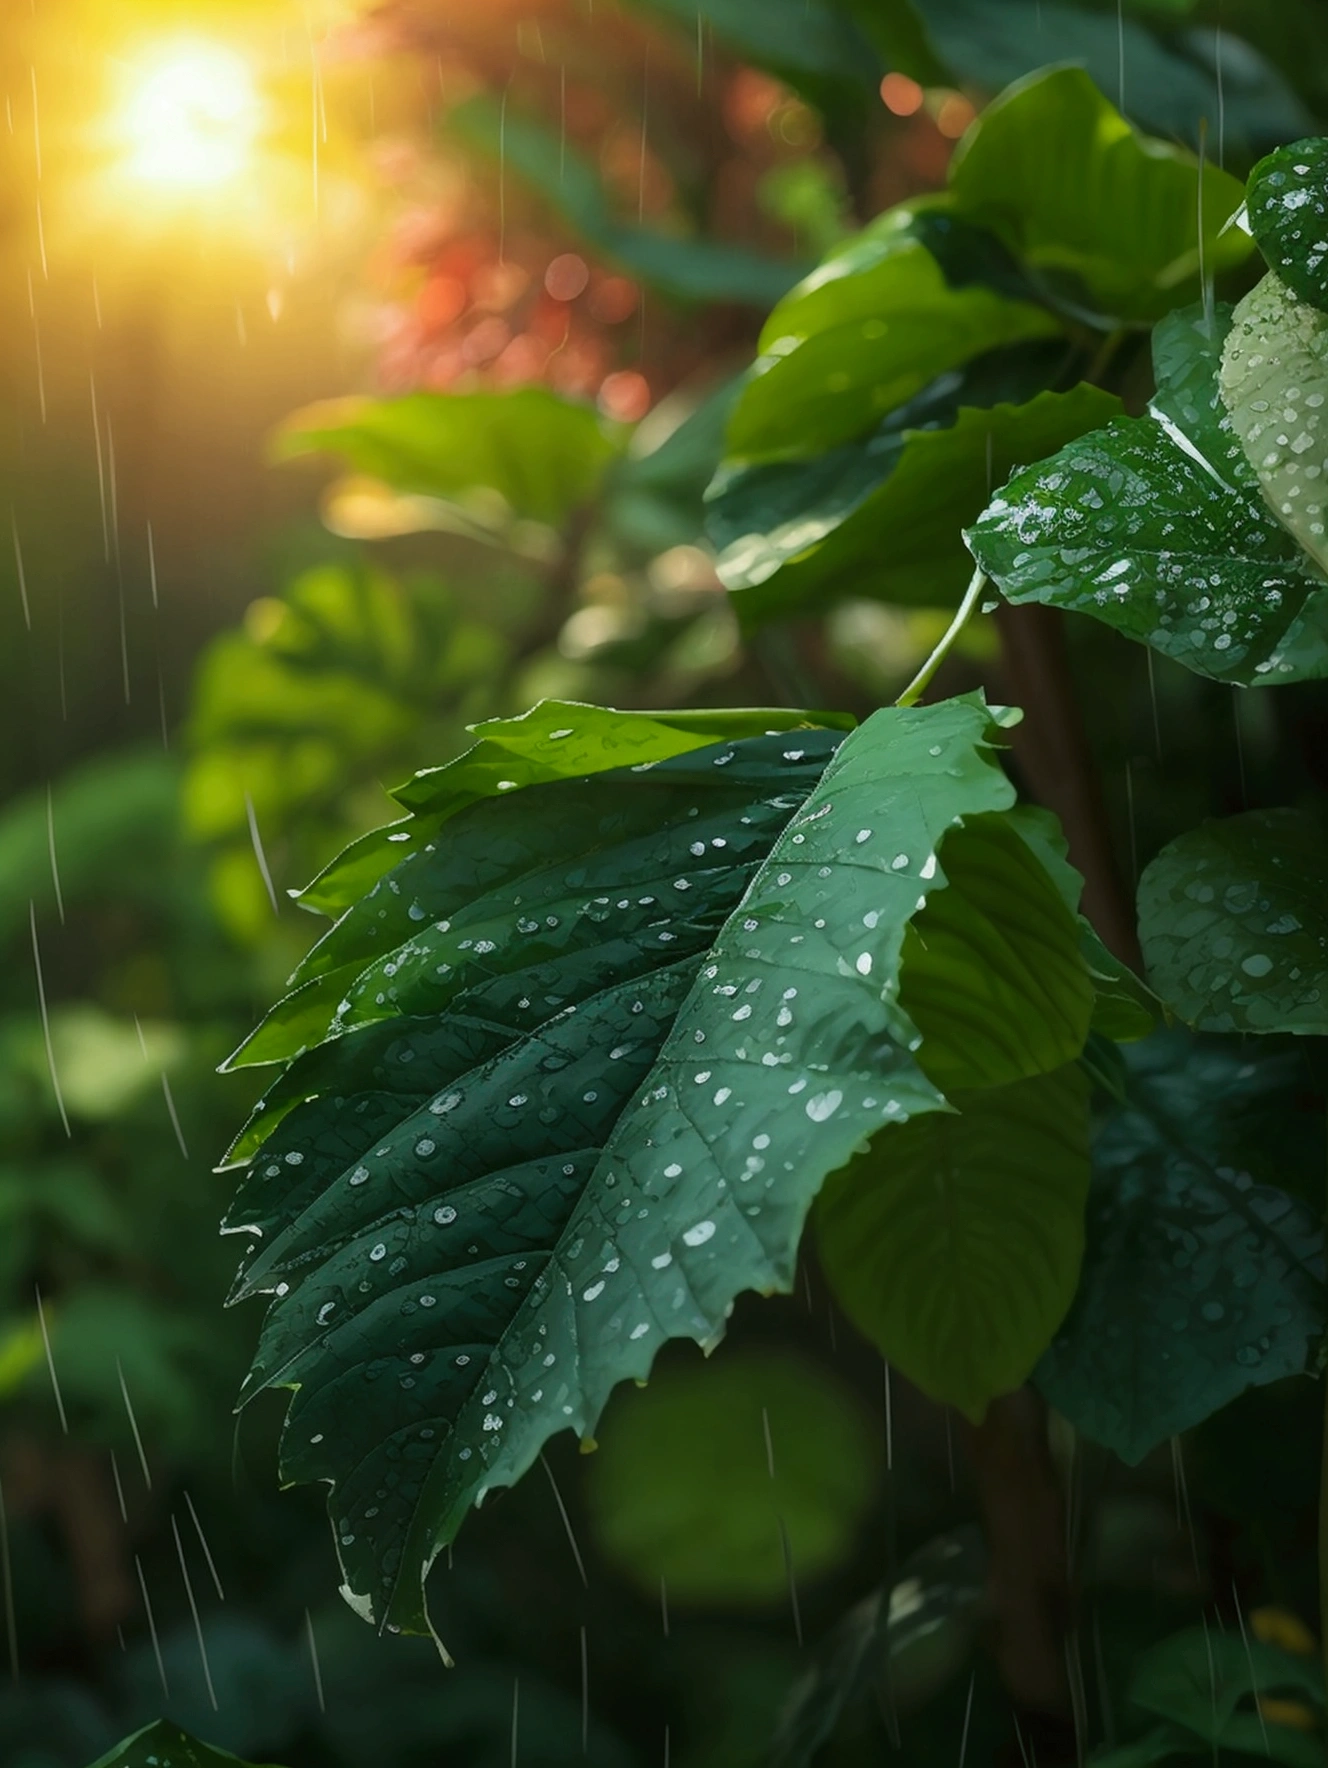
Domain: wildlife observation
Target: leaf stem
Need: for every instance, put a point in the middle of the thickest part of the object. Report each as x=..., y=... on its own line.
x=917, y=687
x=1104, y=356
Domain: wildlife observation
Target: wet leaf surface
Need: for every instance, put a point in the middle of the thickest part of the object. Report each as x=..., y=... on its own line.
x=1156, y=526
x=1287, y=199
x=1233, y=919
x=1274, y=384
x=1203, y=1274
x=643, y=1015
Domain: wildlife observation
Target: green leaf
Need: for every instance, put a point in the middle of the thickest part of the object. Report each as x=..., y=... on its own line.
x=1171, y=84
x=977, y=956
x=163, y=1745
x=1202, y=1277
x=1154, y=526
x=1274, y=384
x=683, y=1488
x=1233, y=920
x=954, y=1242
x=882, y=519
x=870, y=328
x=556, y=739
x=614, y=996
x=1287, y=201
x=543, y=455
x=1199, y=1677
x=1105, y=216
x=1124, y=1007
x=687, y=268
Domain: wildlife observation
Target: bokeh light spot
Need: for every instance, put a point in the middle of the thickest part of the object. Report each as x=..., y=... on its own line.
x=900, y=95
x=567, y=277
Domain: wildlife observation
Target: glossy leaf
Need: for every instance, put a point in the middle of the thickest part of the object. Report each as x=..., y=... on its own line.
x=522, y=1162
x=543, y=455
x=870, y=328
x=1287, y=202
x=883, y=518
x=1233, y=919
x=1274, y=384
x=1202, y=1275
x=1154, y=526
x=690, y=269
x=1107, y=217
x=163, y=1745
x=683, y=1488
x=954, y=1242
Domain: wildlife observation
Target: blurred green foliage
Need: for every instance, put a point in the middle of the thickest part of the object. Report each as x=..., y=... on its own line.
x=302, y=677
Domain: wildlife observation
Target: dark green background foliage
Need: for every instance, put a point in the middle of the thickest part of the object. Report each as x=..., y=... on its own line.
x=807, y=1037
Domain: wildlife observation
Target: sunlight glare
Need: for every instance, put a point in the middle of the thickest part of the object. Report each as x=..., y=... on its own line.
x=193, y=117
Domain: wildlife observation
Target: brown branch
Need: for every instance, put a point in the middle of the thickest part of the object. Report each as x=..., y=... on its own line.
x=1028, y=1581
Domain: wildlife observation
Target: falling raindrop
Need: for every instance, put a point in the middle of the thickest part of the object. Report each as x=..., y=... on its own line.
x=193, y=1609
x=50, y=1364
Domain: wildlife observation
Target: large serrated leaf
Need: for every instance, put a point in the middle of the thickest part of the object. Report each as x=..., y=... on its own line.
x=1287, y=202
x=1202, y=1275
x=1233, y=920
x=954, y=1241
x=611, y=1126
x=1274, y=384
x=1156, y=526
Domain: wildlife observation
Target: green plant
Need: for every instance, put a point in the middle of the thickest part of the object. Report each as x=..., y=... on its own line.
x=625, y=998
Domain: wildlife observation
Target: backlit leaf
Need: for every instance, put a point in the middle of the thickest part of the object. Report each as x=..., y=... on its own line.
x=543, y=455
x=872, y=326
x=1109, y=218
x=1274, y=384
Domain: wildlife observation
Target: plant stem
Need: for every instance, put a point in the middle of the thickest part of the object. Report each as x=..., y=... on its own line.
x=1051, y=747
x=917, y=687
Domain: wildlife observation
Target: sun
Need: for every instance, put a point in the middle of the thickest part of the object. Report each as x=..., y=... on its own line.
x=191, y=117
